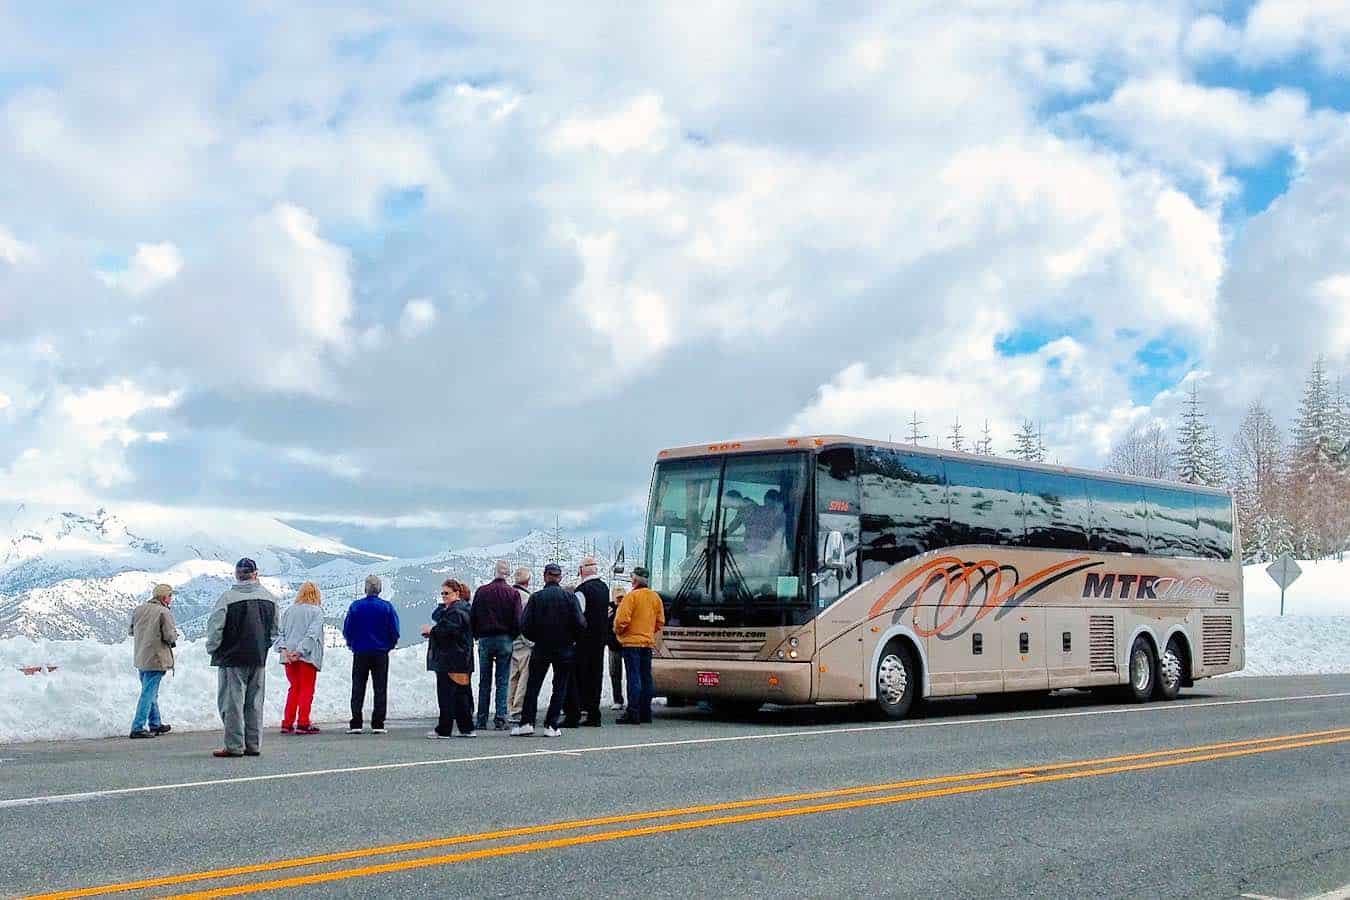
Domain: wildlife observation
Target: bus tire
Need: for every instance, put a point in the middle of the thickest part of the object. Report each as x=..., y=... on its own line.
x=897, y=680
x=1142, y=671
x=1171, y=671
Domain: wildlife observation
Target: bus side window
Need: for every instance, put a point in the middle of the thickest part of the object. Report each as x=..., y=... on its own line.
x=985, y=504
x=1172, y=524
x=1215, y=515
x=904, y=498
x=1057, y=511
x=1119, y=517
x=837, y=509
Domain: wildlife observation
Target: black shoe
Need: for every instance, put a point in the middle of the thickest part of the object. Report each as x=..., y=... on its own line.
x=593, y=722
x=140, y=735
x=163, y=729
x=646, y=720
x=571, y=723
x=500, y=726
x=627, y=720
x=253, y=753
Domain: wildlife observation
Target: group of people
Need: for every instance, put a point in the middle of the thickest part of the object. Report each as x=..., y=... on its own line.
x=521, y=638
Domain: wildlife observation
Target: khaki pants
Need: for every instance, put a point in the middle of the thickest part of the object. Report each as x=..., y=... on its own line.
x=520, y=674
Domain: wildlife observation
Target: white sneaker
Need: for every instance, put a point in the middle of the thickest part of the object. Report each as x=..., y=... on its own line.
x=522, y=731
x=353, y=730
x=467, y=734
x=550, y=731
x=617, y=707
x=436, y=736
x=379, y=731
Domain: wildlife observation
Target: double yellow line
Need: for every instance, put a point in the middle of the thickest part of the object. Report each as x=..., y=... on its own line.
x=696, y=817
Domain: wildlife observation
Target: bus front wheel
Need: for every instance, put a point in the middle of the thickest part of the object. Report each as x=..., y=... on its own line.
x=1143, y=671
x=897, y=680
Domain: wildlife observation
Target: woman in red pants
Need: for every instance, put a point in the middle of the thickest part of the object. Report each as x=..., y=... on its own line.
x=301, y=646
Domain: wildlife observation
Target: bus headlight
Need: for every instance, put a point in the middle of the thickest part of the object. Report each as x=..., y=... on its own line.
x=792, y=654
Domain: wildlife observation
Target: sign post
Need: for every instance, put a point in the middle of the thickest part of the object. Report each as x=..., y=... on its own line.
x=1284, y=572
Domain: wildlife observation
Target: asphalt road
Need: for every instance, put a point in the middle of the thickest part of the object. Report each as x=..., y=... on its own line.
x=1242, y=788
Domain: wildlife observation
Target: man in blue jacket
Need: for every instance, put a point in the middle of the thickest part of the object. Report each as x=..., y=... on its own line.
x=371, y=630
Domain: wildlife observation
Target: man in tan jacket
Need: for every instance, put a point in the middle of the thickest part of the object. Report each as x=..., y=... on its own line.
x=155, y=635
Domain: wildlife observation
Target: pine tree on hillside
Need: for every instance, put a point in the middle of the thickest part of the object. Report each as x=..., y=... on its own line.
x=985, y=445
x=955, y=438
x=1197, y=452
x=1318, y=478
x=915, y=423
x=1027, y=446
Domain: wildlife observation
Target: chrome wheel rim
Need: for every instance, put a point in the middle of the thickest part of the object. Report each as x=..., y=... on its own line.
x=1139, y=670
x=892, y=682
x=1171, y=669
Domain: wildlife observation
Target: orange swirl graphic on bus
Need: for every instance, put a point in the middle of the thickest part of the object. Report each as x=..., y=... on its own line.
x=961, y=586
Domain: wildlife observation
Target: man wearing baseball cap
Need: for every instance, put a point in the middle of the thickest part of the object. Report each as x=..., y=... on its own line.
x=239, y=632
x=641, y=615
x=553, y=621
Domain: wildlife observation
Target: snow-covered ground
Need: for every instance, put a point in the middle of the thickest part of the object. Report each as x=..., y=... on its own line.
x=94, y=689
x=1322, y=590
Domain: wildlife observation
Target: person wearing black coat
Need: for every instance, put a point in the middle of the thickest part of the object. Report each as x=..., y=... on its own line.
x=450, y=657
x=553, y=621
x=583, y=695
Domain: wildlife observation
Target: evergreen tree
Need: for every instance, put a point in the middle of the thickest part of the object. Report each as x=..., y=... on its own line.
x=1197, y=452
x=1318, y=479
x=955, y=438
x=985, y=445
x=1027, y=446
x=915, y=423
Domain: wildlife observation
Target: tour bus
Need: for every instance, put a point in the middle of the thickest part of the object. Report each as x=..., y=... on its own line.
x=836, y=569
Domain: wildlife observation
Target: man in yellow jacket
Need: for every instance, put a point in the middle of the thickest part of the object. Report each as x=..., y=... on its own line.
x=640, y=616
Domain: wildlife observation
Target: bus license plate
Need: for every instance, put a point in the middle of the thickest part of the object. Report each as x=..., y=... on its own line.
x=709, y=679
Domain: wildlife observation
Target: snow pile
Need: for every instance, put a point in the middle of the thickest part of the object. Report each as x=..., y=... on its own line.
x=1322, y=590
x=93, y=691
x=1297, y=645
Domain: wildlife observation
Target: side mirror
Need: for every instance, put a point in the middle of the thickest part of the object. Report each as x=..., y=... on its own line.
x=834, y=551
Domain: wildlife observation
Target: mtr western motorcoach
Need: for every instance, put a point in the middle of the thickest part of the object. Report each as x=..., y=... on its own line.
x=837, y=569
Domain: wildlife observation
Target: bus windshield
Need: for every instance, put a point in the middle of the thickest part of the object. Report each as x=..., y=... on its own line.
x=726, y=539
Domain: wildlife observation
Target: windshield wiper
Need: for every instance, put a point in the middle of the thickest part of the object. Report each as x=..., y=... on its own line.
x=742, y=590
x=698, y=571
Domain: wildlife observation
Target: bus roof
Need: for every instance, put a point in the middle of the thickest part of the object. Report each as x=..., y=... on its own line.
x=820, y=441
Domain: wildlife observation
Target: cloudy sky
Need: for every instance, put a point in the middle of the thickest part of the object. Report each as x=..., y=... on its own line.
x=414, y=277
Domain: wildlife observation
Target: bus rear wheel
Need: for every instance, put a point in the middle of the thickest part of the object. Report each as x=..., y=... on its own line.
x=1143, y=671
x=897, y=680
x=1171, y=671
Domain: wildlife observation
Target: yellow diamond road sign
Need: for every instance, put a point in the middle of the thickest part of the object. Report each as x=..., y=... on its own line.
x=1284, y=571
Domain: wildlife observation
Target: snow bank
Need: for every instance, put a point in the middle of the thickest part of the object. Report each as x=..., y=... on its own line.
x=1322, y=590
x=93, y=691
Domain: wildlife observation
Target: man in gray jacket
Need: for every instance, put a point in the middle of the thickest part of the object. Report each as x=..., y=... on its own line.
x=240, y=630
x=155, y=635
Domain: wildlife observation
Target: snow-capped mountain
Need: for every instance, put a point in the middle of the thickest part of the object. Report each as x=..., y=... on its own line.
x=78, y=574
x=68, y=575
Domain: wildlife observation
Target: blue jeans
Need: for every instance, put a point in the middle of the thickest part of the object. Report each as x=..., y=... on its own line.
x=637, y=665
x=494, y=651
x=147, y=708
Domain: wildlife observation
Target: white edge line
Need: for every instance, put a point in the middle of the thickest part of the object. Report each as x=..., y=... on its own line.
x=685, y=742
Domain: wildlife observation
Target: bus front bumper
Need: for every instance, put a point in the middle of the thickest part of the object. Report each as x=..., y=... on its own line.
x=720, y=679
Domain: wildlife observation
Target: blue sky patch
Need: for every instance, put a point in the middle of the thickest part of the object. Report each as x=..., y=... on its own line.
x=1161, y=364
x=1029, y=338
